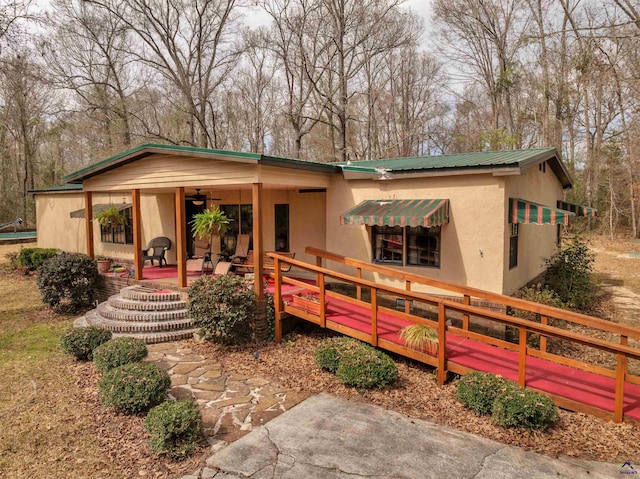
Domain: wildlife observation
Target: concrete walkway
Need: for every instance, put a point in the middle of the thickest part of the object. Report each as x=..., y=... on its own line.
x=325, y=437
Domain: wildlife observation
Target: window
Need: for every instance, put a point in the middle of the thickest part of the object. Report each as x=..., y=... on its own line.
x=282, y=227
x=513, y=246
x=417, y=246
x=423, y=246
x=240, y=223
x=121, y=234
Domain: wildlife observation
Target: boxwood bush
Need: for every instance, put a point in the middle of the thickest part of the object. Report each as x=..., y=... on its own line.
x=134, y=387
x=331, y=350
x=81, y=342
x=67, y=281
x=33, y=258
x=367, y=368
x=517, y=407
x=118, y=352
x=175, y=428
x=478, y=391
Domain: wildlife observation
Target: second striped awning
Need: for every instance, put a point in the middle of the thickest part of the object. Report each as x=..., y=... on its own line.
x=579, y=210
x=398, y=213
x=527, y=212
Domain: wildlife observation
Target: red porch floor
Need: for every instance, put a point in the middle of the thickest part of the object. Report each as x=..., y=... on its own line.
x=571, y=383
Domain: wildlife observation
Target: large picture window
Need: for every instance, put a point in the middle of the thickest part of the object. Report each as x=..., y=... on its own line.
x=120, y=234
x=409, y=246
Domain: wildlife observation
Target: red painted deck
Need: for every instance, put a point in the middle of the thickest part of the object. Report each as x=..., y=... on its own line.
x=571, y=383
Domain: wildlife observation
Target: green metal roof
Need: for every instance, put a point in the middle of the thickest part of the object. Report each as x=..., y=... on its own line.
x=461, y=160
x=477, y=160
x=147, y=149
x=53, y=189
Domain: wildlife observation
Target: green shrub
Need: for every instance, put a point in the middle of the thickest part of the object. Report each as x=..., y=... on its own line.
x=568, y=274
x=366, y=367
x=224, y=308
x=81, y=342
x=331, y=350
x=134, y=387
x=67, y=281
x=518, y=407
x=175, y=428
x=118, y=352
x=478, y=391
x=33, y=258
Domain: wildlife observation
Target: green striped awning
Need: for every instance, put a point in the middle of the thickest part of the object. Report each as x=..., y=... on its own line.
x=527, y=212
x=398, y=213
x=579, y=210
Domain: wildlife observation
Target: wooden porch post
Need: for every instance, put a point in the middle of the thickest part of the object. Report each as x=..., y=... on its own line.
x=181, y=237
x=261, y=329
x=88, y=223
x=137, y=233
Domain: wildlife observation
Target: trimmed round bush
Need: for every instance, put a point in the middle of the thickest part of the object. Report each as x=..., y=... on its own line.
x=478, y=391
x=175, y=428
x=366, y=367
x=67, y=281
x=525, y=409
x=329, y=352
x=81, y=342
x=33, y=258
x=118, y=352
x=134, y=387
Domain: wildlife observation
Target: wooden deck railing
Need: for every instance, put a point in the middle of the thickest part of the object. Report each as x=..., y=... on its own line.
x=444, y=306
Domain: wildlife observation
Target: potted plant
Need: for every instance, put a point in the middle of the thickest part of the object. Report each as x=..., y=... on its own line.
x=421, y=337
x=211, y=222
x=104, y=264
x=110, y=216
x=308, y=302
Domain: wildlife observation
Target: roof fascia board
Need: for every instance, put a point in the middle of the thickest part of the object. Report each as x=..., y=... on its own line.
x=298, y=164
x=359, y=175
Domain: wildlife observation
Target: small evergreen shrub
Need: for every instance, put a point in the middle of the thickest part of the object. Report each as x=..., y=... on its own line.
x=224, y=308
x=568, y=274
x=81, y=342
x=118, y=352
x=134, y=387
x=331, y=350
x=175, y=428
x=366, y=367
x=478, y=391
x=517, y=407
x=67, y=281
x=33, y=258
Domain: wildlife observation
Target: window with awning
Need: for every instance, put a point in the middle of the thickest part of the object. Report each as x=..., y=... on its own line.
x=97, y=208
x=425, y=213
x=527, y=212
x=579, y=210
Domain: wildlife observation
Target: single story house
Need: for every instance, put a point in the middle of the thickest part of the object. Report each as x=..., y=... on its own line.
x=485, y=220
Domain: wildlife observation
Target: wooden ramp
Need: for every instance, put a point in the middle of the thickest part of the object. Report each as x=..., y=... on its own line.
x=579, y=386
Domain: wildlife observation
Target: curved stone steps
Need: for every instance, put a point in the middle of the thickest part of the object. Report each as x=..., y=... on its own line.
x=94, y=319
x=142, y=293
x=119, y=302
x=160, y=337
x=108, y=312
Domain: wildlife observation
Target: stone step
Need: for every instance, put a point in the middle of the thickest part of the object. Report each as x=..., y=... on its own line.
x=93, y=318
x=120, y=302
x=107, y=311
x=161, y=337
x=143, y=293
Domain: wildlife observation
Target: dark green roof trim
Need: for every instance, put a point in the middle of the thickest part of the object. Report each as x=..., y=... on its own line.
x=57, y=189
x=147, y=149
x=494, y=160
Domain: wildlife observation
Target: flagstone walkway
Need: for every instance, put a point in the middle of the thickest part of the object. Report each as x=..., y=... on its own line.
x=232, y=404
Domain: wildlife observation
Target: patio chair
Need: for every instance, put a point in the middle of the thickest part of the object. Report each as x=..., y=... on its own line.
x=222, y=268
x=155, y=250
x=242, y=249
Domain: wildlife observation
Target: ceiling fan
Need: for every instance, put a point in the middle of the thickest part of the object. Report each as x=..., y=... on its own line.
x=199, y=199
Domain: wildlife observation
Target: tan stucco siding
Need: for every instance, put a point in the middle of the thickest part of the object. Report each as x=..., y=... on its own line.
x=272, y=176
x=164, y=171
x=535, y=242
x=55, y=228
x=472, y=251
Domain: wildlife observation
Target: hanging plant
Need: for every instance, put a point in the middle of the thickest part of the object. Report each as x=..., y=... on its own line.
x=211, y=222
x=111, y=216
